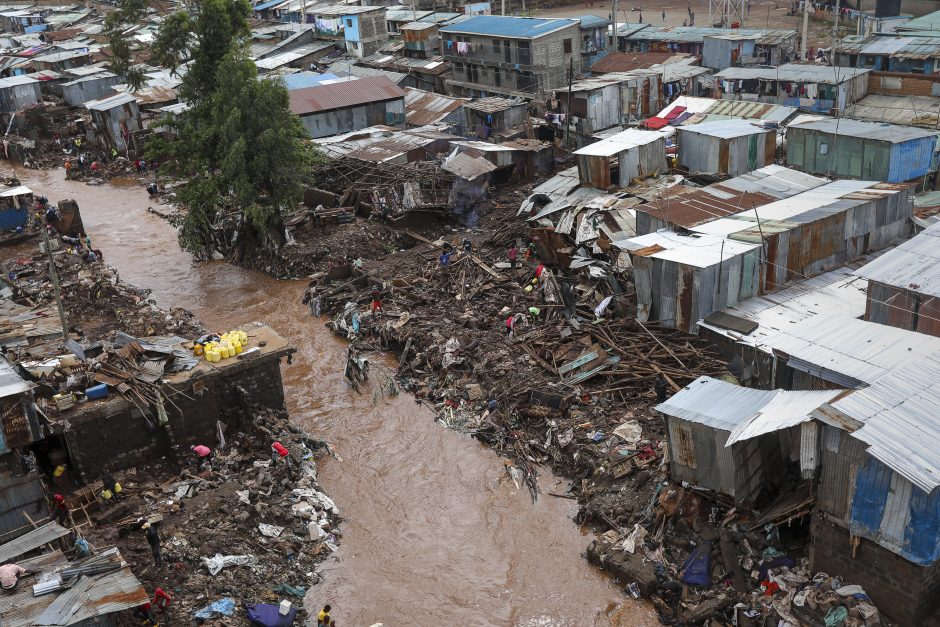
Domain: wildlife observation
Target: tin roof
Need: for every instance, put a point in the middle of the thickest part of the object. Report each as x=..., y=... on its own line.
x=891, y=133
x=697, y=34
x=914, y=265
x=725, y=129
x=626, y=61
x=110, y=102
x=715, y=403
x=700, y=251
x=493, y=104
x=342, y=95
x=851, y=352
x=893, y=46
x=929, y=22
x=424, y=107
x=508, y=26
x=13, y=81
x=624, y=140
x=786, y=409
x=923, y=111
x=592, y=21
x=11, y=382
x=899, y=421
x=835, y=292
x=794, y=73
x=32, y=540
x=467, y=167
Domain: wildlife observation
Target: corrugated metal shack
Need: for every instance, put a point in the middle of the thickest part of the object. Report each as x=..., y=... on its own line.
x=610, y=100
x=94, y=87
x=812, y=87
x=822, y=228
x=737, y=331
x=18, y=92
x=349, y=106
x=680, y=279
x=424, y=107
x=861, y=150
x=684, y=207
x=737, y=440
x=619, y=159
x=115, y=120
x=772, y=47
x=722, y=51
x=726, y=147
x=485, y=116
x=904, y=284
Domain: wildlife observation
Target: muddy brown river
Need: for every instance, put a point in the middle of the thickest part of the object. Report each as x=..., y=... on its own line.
x=435, y=532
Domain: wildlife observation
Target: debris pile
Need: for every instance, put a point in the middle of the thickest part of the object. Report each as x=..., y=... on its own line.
x=251, y=529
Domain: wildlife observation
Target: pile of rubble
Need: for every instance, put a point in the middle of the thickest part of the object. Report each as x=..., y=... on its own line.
x=251, y=529
x=95, y=299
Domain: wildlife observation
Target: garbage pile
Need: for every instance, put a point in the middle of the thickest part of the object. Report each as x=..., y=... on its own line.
x=544, y=366
x=251, y=530
x=95, y=300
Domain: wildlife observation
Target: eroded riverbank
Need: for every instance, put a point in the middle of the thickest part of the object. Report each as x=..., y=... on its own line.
x=435, y=533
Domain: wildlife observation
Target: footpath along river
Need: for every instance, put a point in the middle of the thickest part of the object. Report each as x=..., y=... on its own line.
x=435, y=532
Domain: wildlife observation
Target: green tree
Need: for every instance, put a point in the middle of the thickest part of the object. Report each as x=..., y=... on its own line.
x=218, y=28
x=171, y=45
x=128, y=12
x=244, y=156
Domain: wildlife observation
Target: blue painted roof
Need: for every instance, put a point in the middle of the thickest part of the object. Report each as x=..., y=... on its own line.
x=266, y=5
x=306, y=79
x=593, y=21
x=506, y=26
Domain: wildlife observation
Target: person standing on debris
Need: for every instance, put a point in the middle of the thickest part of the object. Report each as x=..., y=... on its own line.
x=659, y=386
x=60, y=509
x=161, y=601
x=203, y=456
x=445, y=258
x=279, y=452
x=10, y=575
x=153, y=539
x=68, y=169
x=110, y=486
x=323, y=618
x=467, y=245
x=376, y=300
x=512, y=255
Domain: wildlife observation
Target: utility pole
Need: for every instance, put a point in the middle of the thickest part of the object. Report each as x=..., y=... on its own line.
x=55, y=284
x=614, y=43
x=805, y=29
x=503, y=9
x=568, y=118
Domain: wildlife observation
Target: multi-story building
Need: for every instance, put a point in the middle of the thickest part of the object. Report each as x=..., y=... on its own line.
x=511, y=56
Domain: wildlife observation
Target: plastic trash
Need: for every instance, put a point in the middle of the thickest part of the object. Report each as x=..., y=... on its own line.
x=222, y=607
x=218, y=562
x=294, y=591
x=266, y=615
x=271, y=531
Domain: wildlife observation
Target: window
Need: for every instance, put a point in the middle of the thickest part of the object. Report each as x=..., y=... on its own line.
x=507, y=49
x=497, y=76
x=349, y=22
x=496, y=46
x=524, y=52
x=567, y=46
x=469, y=72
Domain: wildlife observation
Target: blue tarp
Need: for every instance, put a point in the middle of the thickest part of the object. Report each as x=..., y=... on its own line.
x=267, y=615
x=13, y=218
x=266, y=5
x=695, y=571
x=222, y=607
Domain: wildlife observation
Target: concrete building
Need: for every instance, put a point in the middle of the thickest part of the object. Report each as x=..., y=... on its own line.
x=594, y=38
x=771, y=46
x=512, y=56
x=349, y=106
x=904, y=285
x=730, y=147
x=861, y=150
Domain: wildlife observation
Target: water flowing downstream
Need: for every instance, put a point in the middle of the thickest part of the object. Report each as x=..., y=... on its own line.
x=435, y=532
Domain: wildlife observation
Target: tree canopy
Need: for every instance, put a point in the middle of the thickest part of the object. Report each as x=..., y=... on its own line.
x=242, y=154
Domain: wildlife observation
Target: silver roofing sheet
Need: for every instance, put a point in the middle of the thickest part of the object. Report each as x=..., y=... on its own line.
x=700, y=251
x=10, y=381
x=725, y=129
x=794, y=73
x=790, y=209
x=696, y=34
x=921, y=111
x=786, y=409
x=32, y=540
x=835, y=292
x=914, y=265
x=715, y=403
x=843, y=127
x=774, y=180
x=94, y=596
x=901, y=424
x=863, y=351
x=625, y=140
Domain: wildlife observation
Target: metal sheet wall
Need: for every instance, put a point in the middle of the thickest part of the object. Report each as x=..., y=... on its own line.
x=18, y=495
x=698, y=455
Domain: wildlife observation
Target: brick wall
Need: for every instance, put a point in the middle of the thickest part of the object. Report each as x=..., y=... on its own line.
x=114, y=434
x=903, y=591
x=900, y=84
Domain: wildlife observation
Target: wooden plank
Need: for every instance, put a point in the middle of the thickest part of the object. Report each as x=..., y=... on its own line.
x=577, y=363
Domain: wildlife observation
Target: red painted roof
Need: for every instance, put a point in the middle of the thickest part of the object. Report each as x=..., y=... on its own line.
x=345, y=94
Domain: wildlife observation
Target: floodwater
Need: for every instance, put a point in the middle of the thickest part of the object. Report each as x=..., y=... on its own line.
x=435, y=532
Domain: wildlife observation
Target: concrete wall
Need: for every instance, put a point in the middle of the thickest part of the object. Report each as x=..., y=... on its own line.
x=336, y=121
x=903, y=591
x=113, y=435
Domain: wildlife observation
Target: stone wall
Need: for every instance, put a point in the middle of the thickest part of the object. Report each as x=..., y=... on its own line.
x=903, y=591
x=114, y=434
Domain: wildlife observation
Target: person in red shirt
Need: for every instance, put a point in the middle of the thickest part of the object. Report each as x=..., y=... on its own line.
x=376, y=300
x=61, y=510
x=161, y=601
x=280, y=452
x=203, y=455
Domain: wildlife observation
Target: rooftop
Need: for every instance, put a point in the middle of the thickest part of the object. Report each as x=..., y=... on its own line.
x=423, y=107
x=592, y=21
x=891, y=133
x=929, y=22
x=727, y=129
x=626, y=61
x=923, y=111
x=341, y=95
x=690, y=34
x=914, y=265
x=795, y=73
x=506, y=26
x=625, y=140
x=699, y=251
